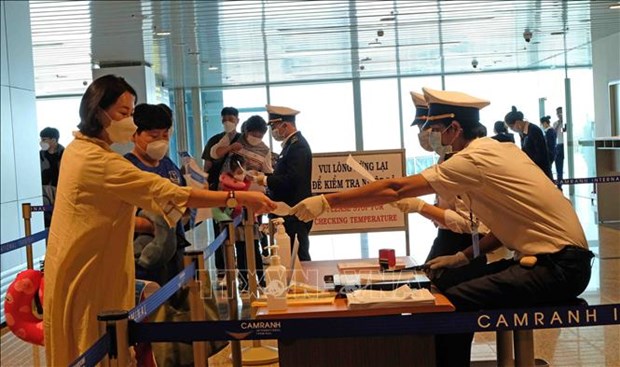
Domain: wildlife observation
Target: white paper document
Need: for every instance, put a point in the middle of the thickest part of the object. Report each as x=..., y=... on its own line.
x=402, y=296
x=359, y=169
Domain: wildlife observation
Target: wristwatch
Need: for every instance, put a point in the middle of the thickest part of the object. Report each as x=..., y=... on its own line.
x=231, y=200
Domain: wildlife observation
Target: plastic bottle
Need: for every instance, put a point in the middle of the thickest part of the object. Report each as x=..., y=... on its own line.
x=275, y=276
x=283, y=241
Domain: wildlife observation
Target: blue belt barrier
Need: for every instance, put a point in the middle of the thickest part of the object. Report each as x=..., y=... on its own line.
x=41, y=208
x=429, y=323
x=141, y=311
x=219, y=240
x=210, y=250
x=585, y=180
x=21, y=242
x=94, y=354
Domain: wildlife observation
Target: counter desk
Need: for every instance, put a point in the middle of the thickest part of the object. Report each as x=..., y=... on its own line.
x=397, y=350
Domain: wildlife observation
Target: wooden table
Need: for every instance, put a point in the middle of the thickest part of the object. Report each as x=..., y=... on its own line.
x=399, y=350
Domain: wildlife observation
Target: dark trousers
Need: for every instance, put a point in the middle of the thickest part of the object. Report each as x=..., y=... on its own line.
x=298, y=229
x=449, y=243
x=557, y=277
x=559, y=163
x=242, y=264
x=220, y=263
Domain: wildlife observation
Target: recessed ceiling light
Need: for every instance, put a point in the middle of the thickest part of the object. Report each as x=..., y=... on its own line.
x=387, y=19
x=213, y=68
x=615, y=6
x=162, y=33
x=376, y=42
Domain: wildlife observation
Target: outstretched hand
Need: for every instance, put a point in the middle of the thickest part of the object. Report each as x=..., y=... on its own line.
x=257, y=201
x=409, y=205
x=310, y=208
x=449, y=261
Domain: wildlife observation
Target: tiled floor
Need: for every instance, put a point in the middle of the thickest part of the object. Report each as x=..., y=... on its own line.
x=570, y=347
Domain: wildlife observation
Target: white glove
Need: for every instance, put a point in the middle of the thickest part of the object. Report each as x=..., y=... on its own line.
x=410, y=205
x=310, y=208
x=449, y=261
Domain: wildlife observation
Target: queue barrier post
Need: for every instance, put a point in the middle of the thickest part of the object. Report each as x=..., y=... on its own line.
x=524, y=348
x=257, y=354
x=115, y=323
x=196, y=307
x=503, y=342
x=27, y=215
x=231, y=288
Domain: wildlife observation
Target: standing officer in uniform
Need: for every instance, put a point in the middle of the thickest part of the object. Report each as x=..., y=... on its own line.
x=291, y=178
x=501, y=185
x=560, y=129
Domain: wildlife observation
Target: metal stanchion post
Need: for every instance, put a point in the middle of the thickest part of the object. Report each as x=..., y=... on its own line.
x=196, y=306
x=231, y=289
x=256, y=354
x=115, y=324
x=524, y=348
x=503, y=343
x=27, y=214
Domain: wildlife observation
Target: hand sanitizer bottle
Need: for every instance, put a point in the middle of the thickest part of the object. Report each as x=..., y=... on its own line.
x=277, y=286
x=283, y=241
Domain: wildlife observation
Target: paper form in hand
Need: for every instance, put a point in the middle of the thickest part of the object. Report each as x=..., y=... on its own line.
x=246, y=172
x=282, y=209
x=359, y=169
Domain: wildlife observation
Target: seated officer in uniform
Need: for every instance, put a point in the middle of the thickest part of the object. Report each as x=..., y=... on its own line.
x=511, y=195
x=292, y=175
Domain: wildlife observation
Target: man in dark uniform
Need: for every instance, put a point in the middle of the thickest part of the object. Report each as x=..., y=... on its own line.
x=290, y=181
x=213, y=166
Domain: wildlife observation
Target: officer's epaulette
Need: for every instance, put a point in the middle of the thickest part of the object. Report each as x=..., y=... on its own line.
x=294, y=139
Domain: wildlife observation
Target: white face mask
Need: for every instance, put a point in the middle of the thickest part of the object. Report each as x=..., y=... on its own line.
x=277, y=135
x=157, y=149
x=44, y=145
x=229, y=126
x=434, y=140
x=121, y=131
x=424, y=139
x=253, y=140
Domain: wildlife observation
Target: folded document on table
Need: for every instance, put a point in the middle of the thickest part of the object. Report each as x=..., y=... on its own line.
x=402, y=296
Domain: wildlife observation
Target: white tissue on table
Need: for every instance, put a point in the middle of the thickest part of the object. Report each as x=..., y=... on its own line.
x=403, y=294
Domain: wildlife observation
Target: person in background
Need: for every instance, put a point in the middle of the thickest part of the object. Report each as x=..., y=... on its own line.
x=50, y=156
x=501, y=133
x=532, y=140
x=550, y=137
x=213, y=166
x=291, y=178
x=89, y=262
x=559, y=128
x=519, y=204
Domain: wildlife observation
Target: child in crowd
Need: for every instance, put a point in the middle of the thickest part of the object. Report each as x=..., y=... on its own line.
x=233, y=178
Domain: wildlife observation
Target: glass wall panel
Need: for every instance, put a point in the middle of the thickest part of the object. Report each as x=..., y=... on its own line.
x=380, y=118
x=61, y=113
x=326, y=117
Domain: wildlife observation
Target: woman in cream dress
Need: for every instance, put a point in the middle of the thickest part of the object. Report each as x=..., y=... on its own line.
x=89, y=265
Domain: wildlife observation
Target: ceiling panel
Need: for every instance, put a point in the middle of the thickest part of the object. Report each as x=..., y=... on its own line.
x=228, y=43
